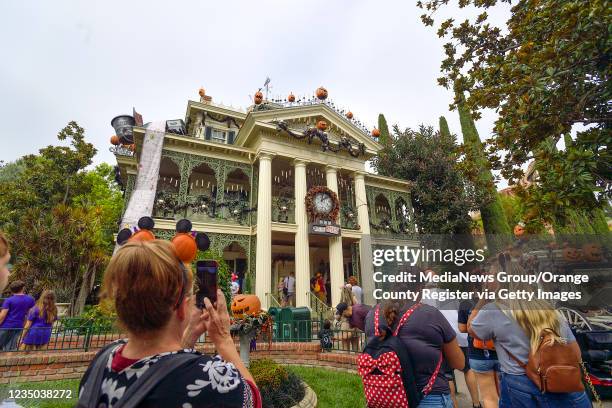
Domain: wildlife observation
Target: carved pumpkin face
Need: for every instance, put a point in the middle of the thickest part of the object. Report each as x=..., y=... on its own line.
x=291, y=97
x=349, y=115
x=375, y=132
x=185, y=246
x=322, y=125
x=114, y=140
x=572, y=254
x=321, y=93
x=245, y=305
x=519, y=230
x=258, y=98
x=202, y=92
x=592, y=252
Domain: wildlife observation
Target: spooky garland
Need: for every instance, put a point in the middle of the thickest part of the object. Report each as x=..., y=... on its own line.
x=313, y=132
x=313, y=215
x=227, y=119
x=167, y=203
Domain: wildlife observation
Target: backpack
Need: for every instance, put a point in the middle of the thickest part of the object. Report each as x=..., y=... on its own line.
x=386, y=370
x=553, y=366
x=90, y=391
x=326, y=340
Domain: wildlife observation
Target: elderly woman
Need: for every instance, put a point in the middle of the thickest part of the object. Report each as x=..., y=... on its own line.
x=156, y=366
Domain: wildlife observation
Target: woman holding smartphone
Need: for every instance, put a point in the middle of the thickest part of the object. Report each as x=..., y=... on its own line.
x=152, y=293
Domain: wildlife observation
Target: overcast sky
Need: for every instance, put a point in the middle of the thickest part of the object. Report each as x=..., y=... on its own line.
x=90, y=61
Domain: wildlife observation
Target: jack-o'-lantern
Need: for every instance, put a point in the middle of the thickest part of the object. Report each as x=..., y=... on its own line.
x=114, y=140
x=202, y=92
x=322, y=93
x=349, y=115
x=572, y=254
x=245, y=305
x=291, y=97
x=322, y=125
x=519, y=229
x=592, y=252
x=375, y=132
x=258, y=98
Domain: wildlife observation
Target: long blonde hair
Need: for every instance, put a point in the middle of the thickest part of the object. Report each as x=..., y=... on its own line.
x=46, y=306
x=532, y=316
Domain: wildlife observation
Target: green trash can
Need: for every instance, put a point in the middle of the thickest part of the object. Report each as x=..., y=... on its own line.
x=296, y=324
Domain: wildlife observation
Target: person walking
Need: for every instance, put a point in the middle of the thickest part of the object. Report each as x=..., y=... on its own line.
x=13, y=314
x=356, y=289
x=37, y=330
x=516, y=327
x=289, y=289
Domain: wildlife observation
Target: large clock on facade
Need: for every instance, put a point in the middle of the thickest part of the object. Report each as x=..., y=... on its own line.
x=322, y=204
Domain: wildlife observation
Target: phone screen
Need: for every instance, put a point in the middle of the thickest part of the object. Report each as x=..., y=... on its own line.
x=206, y=274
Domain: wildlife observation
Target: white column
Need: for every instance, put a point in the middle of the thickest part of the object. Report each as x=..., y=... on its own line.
x=336, y=269
x=302, y=252
x=263, y=264
x=365, y=244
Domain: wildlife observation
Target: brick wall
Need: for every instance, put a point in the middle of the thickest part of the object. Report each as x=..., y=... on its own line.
x=41, y=366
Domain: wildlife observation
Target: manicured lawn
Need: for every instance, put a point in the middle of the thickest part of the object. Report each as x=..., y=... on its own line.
x=71, y=385
x=335, y=389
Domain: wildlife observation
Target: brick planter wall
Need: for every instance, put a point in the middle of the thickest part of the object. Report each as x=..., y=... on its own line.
x=42, y=366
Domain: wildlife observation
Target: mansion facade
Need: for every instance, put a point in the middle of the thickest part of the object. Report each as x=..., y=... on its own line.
x=244, y=178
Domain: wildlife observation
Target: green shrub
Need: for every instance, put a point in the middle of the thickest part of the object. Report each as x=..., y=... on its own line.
x=279, y=388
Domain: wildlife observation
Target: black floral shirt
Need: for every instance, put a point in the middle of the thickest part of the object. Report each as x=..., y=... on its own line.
x=202, y=383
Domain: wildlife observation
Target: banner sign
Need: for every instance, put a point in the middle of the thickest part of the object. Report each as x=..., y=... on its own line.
x=326, y=228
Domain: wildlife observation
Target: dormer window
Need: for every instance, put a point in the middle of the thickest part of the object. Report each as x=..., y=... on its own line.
x=219, y=136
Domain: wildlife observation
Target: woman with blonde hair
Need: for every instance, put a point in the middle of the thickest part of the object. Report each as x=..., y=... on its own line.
x=37, y=330
x=515, y=326
x=157, y=365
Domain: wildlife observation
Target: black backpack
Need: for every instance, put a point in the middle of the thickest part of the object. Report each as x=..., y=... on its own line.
x=326, y=339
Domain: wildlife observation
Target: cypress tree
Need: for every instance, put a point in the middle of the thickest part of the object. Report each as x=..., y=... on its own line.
x=385, y=136
x=494, y=220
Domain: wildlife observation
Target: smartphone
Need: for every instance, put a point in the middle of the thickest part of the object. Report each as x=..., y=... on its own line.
x=206, y=281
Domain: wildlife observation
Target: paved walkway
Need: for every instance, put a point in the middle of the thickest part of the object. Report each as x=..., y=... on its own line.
x=463, y=397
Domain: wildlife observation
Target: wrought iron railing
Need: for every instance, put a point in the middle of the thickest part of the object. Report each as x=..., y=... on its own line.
x=272, y=300
x=318, y=308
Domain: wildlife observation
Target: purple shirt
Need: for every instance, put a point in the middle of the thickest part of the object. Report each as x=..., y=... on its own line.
x=18, y=306
x=357, y=319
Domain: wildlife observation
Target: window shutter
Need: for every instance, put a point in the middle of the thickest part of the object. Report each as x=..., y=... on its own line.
x=208, y=133
x=230, y=137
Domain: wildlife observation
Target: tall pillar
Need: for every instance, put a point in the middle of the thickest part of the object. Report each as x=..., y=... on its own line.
x=336, y=269
x=365, y=244
x=302, y=252
x=263, y=260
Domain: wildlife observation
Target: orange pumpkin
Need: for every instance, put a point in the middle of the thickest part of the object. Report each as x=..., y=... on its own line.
x=572, y=254
x=349, y=115
x=258, y=98
x=322, y=125
x=114, y=140
x=185, y=245
x=142, y=235
x=375, y=132
x=592, y=252
x=132, y=147
x=245, y=305
x=291, y=97
x=321, y=93
x=202, y=92
x=519, y=229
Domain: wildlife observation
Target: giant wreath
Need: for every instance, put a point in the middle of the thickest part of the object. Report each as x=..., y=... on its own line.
x=313, y=214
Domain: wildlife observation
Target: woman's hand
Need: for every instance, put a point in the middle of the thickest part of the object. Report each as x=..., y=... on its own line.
x=217, y=322
x=195, y=328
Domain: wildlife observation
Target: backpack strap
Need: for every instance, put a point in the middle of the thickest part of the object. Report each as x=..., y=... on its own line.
x=376, y=320
x=404, y=318
x=427, y=389
x=90, y=393
x=151, y=377
x=512, y=356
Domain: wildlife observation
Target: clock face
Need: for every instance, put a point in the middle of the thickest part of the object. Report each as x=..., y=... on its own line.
x=323, y=203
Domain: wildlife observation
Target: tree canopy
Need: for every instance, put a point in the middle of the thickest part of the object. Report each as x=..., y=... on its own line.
x=547, y=74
